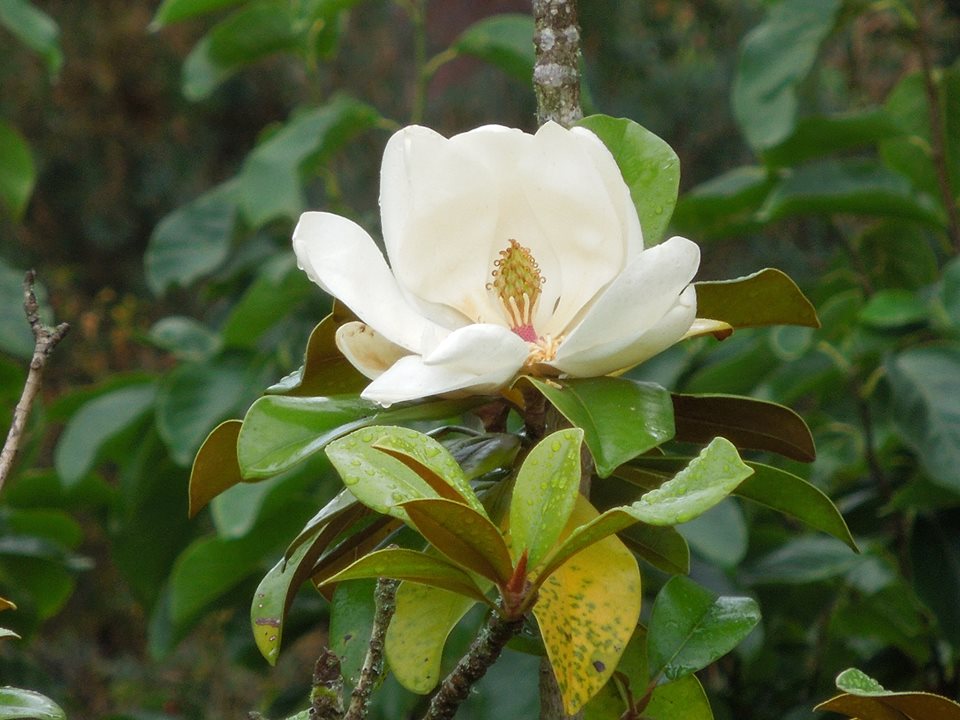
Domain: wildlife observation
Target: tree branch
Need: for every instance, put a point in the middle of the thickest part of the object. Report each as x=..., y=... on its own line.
x=45, y=340
x=372, y=671
x=326, y=693
x=556, y=73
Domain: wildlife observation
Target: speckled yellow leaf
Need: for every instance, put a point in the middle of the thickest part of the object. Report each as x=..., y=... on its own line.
x=418, y=631
x=587, y=610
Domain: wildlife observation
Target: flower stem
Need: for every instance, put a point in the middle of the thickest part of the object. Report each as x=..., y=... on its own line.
x=484, y=651
x=45, y=340
x=556, y=73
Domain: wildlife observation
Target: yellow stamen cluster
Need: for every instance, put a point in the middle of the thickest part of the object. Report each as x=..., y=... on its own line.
x=517, y=281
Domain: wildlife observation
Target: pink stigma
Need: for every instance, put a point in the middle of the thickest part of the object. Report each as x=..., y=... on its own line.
x=526, y=332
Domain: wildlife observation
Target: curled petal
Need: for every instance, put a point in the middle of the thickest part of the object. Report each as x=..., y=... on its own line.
x=624, y=353
x=704, y=326
x=479, y=358
x=366, y=349
x=343, y=259
x=637, y=299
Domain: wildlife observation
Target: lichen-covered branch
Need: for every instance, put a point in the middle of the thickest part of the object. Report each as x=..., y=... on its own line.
x=326, y=693
x=45, y=340
x=372, y=671
x=483, y=653
x=556, y=73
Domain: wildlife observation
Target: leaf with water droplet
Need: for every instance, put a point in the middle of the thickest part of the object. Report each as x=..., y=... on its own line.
x=17, y=704
x=867, y=699
x=538, y=515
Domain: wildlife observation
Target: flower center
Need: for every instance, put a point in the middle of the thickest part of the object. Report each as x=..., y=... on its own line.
x=517, y=281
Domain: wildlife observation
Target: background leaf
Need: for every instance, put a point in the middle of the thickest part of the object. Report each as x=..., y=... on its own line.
x=767, y=297
x=504, y=41
x=17, y=171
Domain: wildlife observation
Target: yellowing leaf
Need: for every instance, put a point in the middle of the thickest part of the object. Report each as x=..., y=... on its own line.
x=418, y=631
x=587, y=611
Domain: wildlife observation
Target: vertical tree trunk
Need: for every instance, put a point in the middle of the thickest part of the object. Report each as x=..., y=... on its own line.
x=556, y=74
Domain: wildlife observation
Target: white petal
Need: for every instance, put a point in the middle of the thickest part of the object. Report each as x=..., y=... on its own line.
x=571, y=203
x=366, y=349
x=343, y=259
x=438, y=208
x=478, y=358
x=624, y=353
x=705, y=326
x=637, y=299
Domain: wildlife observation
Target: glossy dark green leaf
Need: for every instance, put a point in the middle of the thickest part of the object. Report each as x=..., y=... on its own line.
x=725, y=205
x=767, y=297
x=17, y=171
x=544, y=494
x=253, y=32
x=279, y=289
x=351, y=622
x=690, y=627
x=17, y=704
x=823, y=135
x=935, y=561
x=891, y=309
x=926, y=385
x=279, y=432
x=271, y=183
x=192, y=241
x=215, y=468
x=463, y=535
x=95, y=424
x=504, y=41
x=411, y=566
x=663, y=547
x=649, y=166
x=856, y=186
x=172, y=11
x=620, y=418
x=194, y=398
x=35, y=29
x=483, y=454
x=774, y=58
x=747, y=423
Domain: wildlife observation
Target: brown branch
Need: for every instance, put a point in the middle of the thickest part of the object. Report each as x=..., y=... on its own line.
x=326, y=693
x=372, y=671
x=556, y=73
x=938, y=141
x=484, y=651
x=45, y=340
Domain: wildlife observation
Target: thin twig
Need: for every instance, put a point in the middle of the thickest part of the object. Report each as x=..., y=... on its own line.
x=937, y=132
x=556, y=74
x=45, y=340
x=483, y=653
x=372, y=671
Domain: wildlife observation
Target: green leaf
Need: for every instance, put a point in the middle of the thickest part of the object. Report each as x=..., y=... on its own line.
x=35, y=29
x=649, y=166
x=747, y=423
x=185, y=338
x=271, y=182
x=96, y=423
x=17, y=171
x=462, y=535
x=891, y=309
x=17, y=704
x=411, y=566
x=544, y=494
x=325, y=370
x=824, y=135
x=504, y=41
x=279, y=289
x=858, y=682
x=663, y=547
x=803, y=561
x=681, y=698
x=351, y=623
x=690, y=627
x=215, y=468
x=485, y=453
x=15, y=335
x=253, y=32
x=620, y=418
x=935, y=564
x=857, y=186
x=587, y=610
x=192, y=241
x=710, y=477
x=767, y=297
x=725, y=205
x=424, y=618
x=774, y=58
x=719, y=536
x=926, y=383
x=172, y=11
x=194, y=398
x=898, y=254
x=949, y=294
x=279, y=432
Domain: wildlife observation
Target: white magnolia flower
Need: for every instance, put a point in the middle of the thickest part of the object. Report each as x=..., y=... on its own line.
x=509, y=253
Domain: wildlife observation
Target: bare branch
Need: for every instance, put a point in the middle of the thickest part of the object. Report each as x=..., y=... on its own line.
x=45, y=340
x=372, y=671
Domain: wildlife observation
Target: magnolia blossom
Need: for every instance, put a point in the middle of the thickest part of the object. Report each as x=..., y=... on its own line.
x=508, y=253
